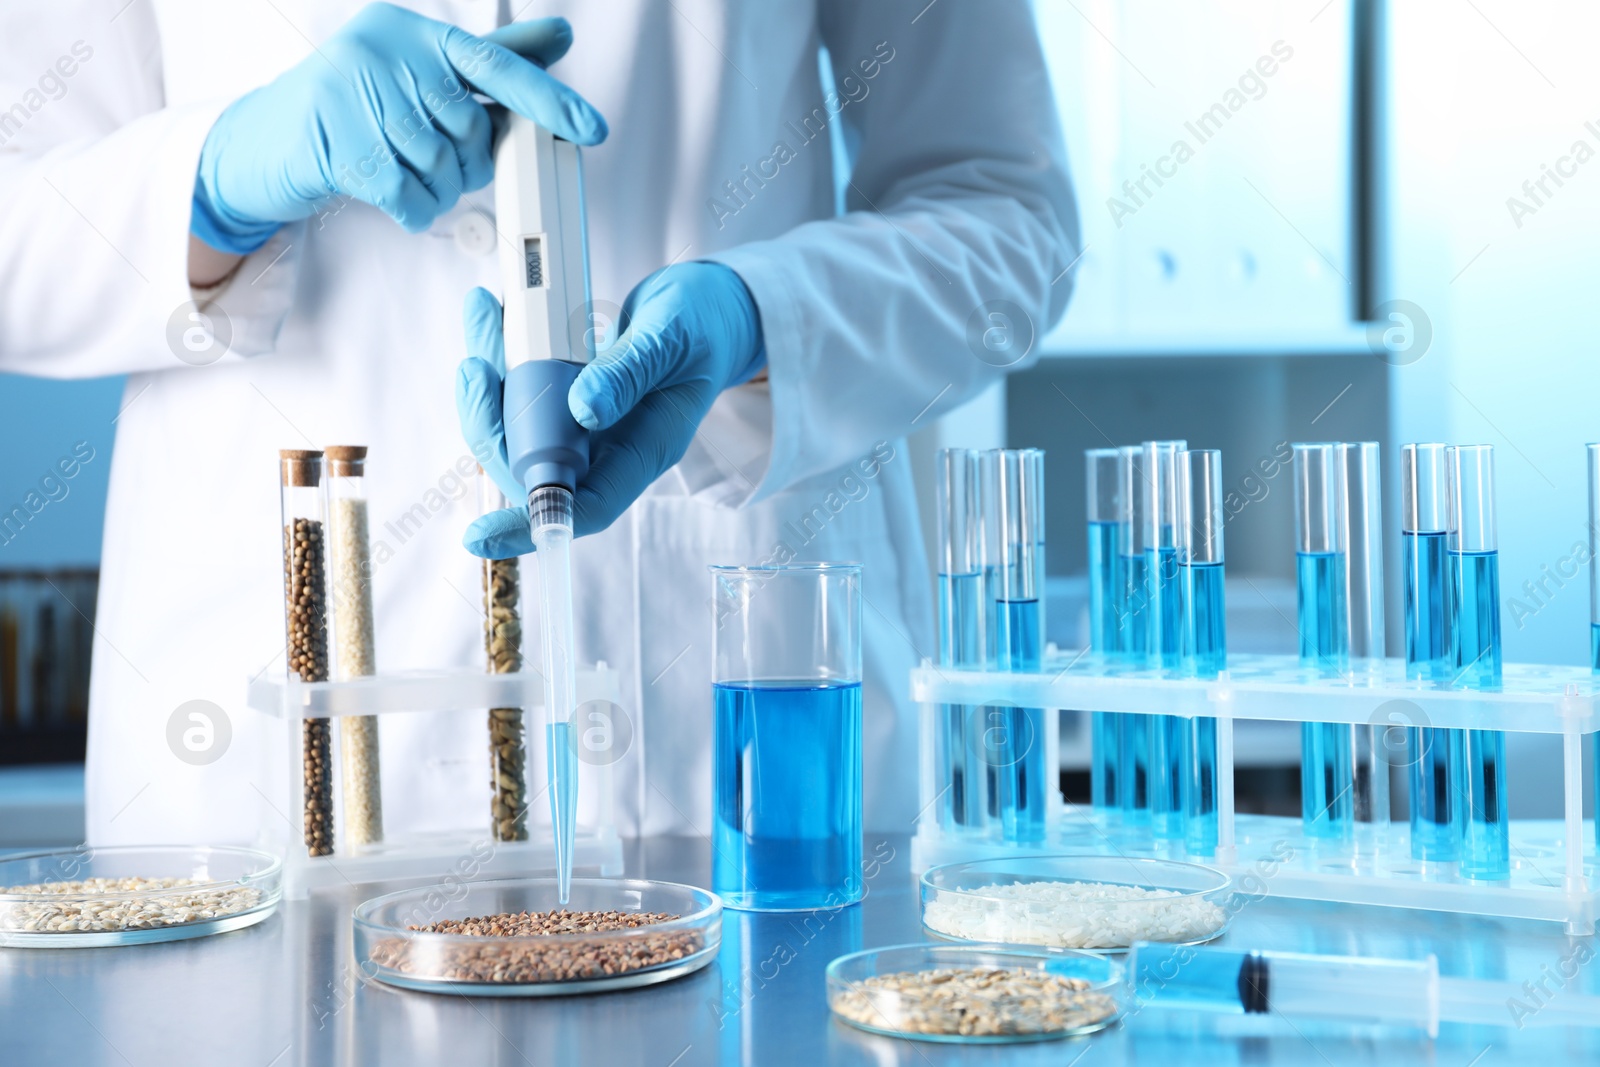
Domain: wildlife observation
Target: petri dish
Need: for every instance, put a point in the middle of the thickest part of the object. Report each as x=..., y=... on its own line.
x=393, y=951
x=1089, y=902
x=133, y=894
x=957, y=993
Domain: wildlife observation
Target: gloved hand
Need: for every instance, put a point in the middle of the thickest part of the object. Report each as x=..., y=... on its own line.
x=382, y=112
x=687, y=333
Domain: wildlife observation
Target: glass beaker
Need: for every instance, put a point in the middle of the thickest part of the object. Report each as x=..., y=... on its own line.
x=786, y=694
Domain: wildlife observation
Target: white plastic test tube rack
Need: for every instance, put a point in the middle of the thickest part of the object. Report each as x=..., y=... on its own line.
x=1551, y=878
x=470, y=852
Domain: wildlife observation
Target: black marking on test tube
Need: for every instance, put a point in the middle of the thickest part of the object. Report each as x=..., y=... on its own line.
x=1254, y=975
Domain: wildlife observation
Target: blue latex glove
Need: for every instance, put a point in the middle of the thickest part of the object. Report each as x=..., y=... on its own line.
x=383, y=112
x=688, y=332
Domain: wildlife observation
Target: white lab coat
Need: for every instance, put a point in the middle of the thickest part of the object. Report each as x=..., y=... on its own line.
x=348, y=330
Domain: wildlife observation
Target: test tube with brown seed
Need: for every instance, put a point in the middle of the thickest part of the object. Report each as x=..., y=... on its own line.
x=350, y=588
x=306, y=617
x=502, y=643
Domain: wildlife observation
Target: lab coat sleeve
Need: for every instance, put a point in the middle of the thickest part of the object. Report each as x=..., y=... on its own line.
x=958, y=197
x=96, y=181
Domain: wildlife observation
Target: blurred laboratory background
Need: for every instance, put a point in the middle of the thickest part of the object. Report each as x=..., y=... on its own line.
x=1302, y=220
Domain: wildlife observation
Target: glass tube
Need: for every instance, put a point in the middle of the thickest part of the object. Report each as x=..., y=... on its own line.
x=1474, y=562
x=355, y=656
x=960, y=803
x=502, y=649
x=1035, y=469
x=1018, y=748
x=305, y=577
x=1438, y=817
x=1135, y=731
x=1594, y=605
x=1326, y=806
x=1205, y=633
x=1165, y=623
x=1105, y=581
x=786, y=767
x=1362, y=505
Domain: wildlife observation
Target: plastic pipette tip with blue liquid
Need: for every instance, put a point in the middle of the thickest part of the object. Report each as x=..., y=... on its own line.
x=551, y=519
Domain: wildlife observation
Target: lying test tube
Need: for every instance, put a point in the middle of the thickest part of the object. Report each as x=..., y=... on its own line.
x=1320, y=570
x=1106, y=531
x=1383, y=992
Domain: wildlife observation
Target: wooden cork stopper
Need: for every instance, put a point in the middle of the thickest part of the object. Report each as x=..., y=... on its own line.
x=300, y=466
x=346, y=461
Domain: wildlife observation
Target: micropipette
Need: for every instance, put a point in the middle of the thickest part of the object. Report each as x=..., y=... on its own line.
x=1352, y=988
x=545, y=268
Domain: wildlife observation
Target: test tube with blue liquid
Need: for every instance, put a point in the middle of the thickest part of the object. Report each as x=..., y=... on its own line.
x=1165, y=623
x=1017, y=745
x=1106, y=530
x=1133, y=607
x=786, y=765
x=1362, y=506
x=1436, y=756
x=1204, y=635
x=1473, y=558
x=1594, y=606
x=1326, y=804
x=959, y=774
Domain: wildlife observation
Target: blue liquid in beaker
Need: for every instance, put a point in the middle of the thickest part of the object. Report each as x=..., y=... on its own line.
x=786, y=830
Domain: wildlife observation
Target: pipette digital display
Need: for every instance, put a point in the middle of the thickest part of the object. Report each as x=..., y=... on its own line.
x=545, y=270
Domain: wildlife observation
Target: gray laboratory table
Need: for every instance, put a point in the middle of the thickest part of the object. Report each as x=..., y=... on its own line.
x=288, y=992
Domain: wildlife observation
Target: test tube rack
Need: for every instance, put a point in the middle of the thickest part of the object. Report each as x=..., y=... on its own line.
x=1551, y=878
x=471, y=852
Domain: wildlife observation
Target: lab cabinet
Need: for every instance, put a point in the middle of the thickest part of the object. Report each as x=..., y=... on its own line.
x=1211, y=152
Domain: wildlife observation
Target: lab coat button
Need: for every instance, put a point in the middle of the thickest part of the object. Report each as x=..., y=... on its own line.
x=474, y=234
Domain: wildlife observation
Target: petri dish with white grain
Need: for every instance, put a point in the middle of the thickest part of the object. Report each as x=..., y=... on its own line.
x=133, y=894
x=1091, y=902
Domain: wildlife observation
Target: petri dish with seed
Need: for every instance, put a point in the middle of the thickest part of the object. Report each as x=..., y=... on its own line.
x=976, y=994
x=511, y=938
x=133, y=895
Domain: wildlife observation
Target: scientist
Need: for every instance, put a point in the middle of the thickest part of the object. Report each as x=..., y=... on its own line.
x=267, y=216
